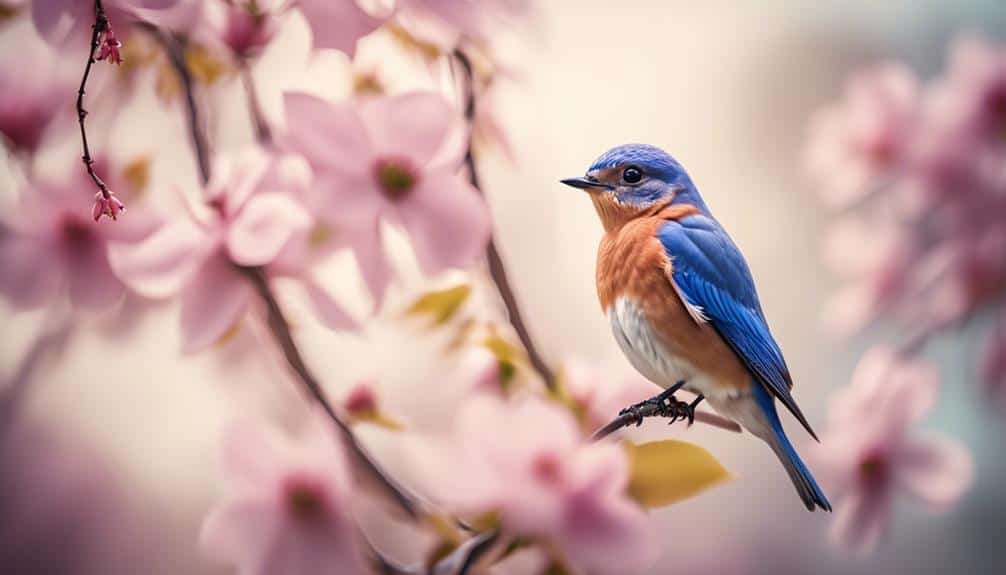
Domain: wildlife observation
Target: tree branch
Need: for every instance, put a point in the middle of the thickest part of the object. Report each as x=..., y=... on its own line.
x=174, y=47
x=654, y=410
x=279, y=327
x=497, y=270
x=263, y=134
x=99, y=26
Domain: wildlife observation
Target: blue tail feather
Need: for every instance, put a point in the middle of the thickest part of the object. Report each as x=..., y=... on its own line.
x=810, y=492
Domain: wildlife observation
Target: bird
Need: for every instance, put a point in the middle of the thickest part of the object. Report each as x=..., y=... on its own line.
x=682, y=302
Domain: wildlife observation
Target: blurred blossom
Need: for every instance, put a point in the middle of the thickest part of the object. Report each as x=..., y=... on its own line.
x=30, y=98
x=599, y=394
x=59, y=21
x=243, y=222
x=50, y=243
x=392, y=159
x=869, y=455
x=929, y=248
x=247, y=26
x=288, y=511
x=337, y=24
x=857, y=142
x=994, y=367
x=528, y=463
x=445, y=23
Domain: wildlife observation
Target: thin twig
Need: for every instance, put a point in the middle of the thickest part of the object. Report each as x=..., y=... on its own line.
x=496, y=268
x=280, y=329
x=99, y=26
x=263, y=134
x=654, y=410
x=174, y=47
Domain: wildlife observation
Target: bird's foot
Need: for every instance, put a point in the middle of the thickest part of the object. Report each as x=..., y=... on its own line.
x=663, y=405
x=682, y=410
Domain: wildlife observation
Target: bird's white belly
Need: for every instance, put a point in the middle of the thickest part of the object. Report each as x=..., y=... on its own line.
x=650, y=357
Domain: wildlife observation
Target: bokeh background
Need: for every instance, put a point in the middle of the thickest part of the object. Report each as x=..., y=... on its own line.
x=726, y=87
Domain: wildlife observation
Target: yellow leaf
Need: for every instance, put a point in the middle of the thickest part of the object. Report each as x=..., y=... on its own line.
x=442, y=304
x=137, y=174
x=664, y=472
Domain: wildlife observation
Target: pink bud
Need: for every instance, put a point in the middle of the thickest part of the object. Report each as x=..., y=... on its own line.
x=109, y=45
x=362, y=399
x=110, y=206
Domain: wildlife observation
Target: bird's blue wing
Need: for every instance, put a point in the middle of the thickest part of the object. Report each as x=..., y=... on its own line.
x=711, y=273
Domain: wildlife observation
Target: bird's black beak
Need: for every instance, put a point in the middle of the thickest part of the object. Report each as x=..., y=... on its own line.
x=585, y=184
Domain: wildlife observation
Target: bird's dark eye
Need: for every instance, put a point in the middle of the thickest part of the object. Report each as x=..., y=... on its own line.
x=632, y=175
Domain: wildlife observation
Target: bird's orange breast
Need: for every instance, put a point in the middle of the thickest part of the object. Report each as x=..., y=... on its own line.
x=633, y=264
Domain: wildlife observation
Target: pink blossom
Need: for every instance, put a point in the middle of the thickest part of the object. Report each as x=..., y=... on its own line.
x=338, y=24
x=869, y=456
x=445, y=22
x=392, y=159
x=528, y=462
x=59, y=21
x=110, y=206
x=51, y=244
x=361, y=399
x=878, y=276
x=30, y=99
x=601, y=393
x=244, y=222
x=289, y=507
x=860, y=141
x=108, y=46
x=247, y=26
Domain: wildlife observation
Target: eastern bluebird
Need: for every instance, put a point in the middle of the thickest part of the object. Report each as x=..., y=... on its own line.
x=682, y=303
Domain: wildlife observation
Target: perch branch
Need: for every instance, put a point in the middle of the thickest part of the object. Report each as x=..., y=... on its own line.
x=654, y=410
x=496, y=268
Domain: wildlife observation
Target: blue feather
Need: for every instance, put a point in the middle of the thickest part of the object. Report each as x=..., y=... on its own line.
x=712, y=274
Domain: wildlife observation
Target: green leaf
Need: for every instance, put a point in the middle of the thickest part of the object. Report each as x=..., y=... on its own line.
x=441, y=304
x=665, y=472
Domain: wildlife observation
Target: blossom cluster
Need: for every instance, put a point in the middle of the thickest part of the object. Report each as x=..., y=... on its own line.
x=916, y=173
x=332, y=178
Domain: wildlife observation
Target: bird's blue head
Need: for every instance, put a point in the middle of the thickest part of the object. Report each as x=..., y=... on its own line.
x=633, y=178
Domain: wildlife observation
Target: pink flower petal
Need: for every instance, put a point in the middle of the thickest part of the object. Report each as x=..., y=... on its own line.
x=263, y=228
x=609, y=535
x=368, y=251
x=240, y=530
x=212, y=303
x=90, y=278
x=447, y=220
x=250, y=453
x=330, y=136
x=164, y=261
x=861, y=520
x=326, y=307
x=937, y=470
x=414, y=125
x=59, y=21
x=337, y=24
x=29, y=279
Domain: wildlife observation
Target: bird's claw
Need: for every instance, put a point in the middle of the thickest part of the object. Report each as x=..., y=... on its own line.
x=633, y=410
x=667, y=406
x=676, y=410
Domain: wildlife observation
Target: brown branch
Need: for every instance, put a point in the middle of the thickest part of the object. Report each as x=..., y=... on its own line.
x=497, y=270
x=99, y=26
x=262, y=131
x=655, y=410
x=174, y=48
x=279, y=327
